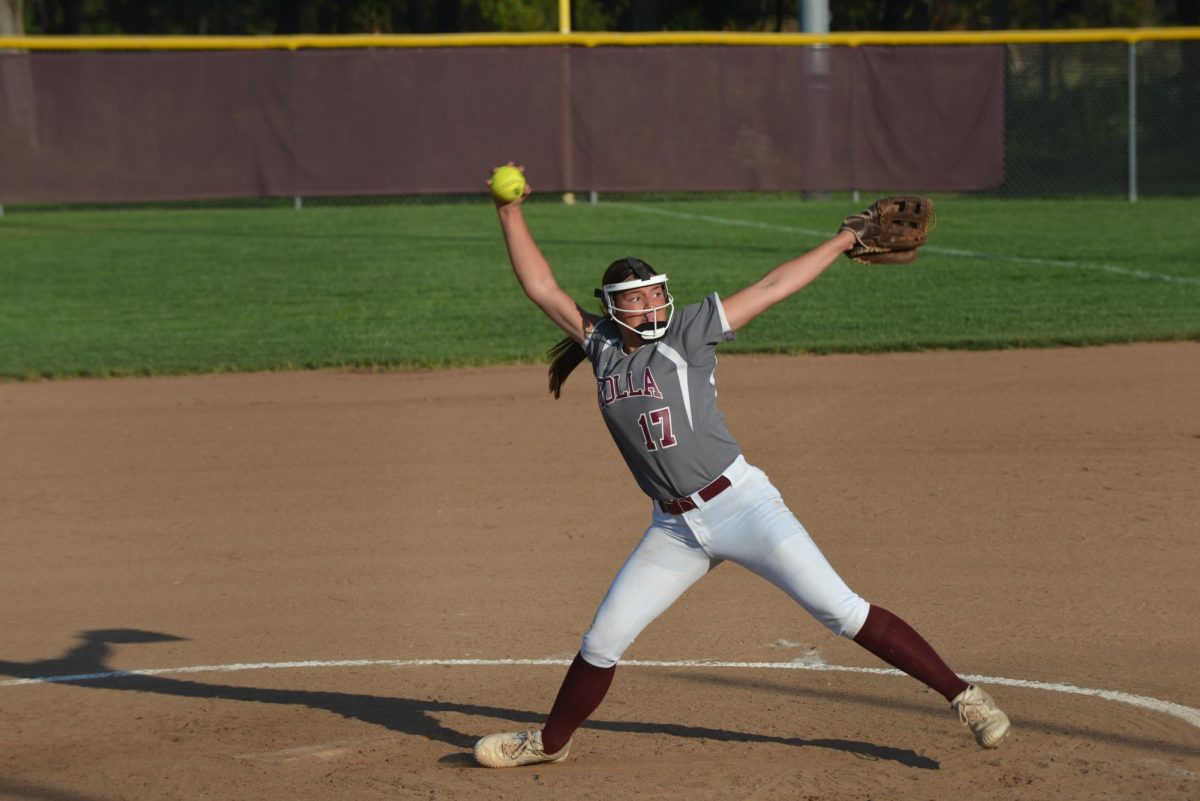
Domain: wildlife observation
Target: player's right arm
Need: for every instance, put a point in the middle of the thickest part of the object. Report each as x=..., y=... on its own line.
x=535, y=276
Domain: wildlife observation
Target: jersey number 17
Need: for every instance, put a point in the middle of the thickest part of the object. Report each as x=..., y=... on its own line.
x=661, y=418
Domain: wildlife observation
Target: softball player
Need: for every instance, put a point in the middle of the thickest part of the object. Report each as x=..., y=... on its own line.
x=655, y=366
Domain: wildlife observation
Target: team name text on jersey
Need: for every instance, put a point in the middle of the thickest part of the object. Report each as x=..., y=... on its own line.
x=610, y=389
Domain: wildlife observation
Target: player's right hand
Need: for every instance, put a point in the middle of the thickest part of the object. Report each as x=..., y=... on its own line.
x=500, y=203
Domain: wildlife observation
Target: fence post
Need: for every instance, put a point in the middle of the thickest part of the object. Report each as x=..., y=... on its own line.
x=1133, y=122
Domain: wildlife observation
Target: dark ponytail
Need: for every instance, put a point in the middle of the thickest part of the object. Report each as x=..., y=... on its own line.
x=567, y=354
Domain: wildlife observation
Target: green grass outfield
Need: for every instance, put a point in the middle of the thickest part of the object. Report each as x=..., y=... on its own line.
x=165, y=291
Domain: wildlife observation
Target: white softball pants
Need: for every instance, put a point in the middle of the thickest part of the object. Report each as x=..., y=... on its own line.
x=748, y=524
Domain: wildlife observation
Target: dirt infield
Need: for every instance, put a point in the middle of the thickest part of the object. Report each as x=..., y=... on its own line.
x=1036, y=514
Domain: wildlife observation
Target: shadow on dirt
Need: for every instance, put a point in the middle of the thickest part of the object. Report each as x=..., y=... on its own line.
x=86, y=665
x=34, y=792
x=1100, y=731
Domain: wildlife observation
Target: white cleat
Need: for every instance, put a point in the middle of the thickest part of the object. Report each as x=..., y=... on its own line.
x=976, y=709
x=512, y=749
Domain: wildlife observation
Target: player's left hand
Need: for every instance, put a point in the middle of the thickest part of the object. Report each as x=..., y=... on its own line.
x=890, y=230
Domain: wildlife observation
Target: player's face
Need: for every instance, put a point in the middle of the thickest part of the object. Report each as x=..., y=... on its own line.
x=642, y=305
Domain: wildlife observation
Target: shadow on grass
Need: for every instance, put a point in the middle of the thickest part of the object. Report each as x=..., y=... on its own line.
x=393, y=238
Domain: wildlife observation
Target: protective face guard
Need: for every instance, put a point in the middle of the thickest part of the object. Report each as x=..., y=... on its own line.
x=650, y=330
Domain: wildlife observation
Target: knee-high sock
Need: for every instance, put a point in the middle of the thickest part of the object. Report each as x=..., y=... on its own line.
x=582, y=691
x=895, y=642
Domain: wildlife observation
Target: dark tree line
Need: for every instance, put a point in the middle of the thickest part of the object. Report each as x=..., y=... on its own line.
x=149, y=17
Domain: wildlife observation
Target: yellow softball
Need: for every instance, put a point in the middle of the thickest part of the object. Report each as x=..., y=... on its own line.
x=508, y=184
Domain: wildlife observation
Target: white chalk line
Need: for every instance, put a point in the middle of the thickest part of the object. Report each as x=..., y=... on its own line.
x=1185, y=713
x=1068, y=264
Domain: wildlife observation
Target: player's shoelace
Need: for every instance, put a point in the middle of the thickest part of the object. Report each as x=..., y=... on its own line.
x=514, y=749
x=973, y=711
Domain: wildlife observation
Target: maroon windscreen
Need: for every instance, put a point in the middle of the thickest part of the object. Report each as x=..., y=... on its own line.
x=101, y=126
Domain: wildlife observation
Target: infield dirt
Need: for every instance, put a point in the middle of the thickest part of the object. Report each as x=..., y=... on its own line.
x=1036, y=514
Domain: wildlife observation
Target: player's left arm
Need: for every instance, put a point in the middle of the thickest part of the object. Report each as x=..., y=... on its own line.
x=784, y=281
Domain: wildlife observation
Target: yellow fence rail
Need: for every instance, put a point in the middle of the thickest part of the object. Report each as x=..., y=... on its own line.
x=582, y=39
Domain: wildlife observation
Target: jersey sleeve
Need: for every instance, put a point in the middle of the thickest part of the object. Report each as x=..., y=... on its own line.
x=601, y=336
x=704, y=326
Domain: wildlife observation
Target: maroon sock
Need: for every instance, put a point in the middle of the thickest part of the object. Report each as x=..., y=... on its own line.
x=582, y=691
x=895, y=642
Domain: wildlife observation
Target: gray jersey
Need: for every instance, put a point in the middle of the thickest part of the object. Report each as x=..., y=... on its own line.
x=660, y=402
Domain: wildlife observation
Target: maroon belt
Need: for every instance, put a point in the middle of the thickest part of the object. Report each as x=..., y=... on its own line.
x=681, y=505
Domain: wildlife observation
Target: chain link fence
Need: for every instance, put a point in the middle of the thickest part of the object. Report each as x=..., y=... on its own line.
x=1071, y=110
x=1168, y=128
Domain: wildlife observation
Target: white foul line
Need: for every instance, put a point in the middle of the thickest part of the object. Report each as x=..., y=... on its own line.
x=1185, y=713
x=1069, y=264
